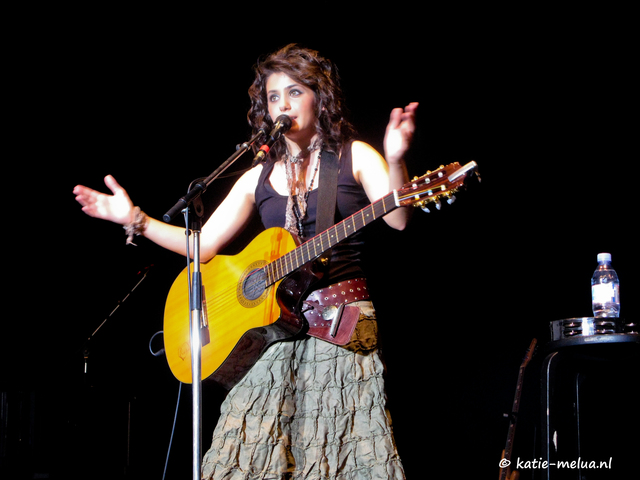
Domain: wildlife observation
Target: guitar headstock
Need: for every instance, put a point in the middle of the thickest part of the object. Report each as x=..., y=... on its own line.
x=435, y=186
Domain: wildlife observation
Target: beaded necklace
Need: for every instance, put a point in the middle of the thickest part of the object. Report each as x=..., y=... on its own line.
x=298, y=191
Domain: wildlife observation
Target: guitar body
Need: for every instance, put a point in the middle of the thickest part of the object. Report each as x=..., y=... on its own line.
x=242, y=320
x=231, y=312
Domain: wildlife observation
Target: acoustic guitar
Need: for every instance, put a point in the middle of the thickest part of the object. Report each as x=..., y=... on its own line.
x=505, y=470
x=255, y=298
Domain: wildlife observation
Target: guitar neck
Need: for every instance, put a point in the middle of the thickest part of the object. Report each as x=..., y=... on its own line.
x=322, y=242
x=516, y=407
x=514, y=413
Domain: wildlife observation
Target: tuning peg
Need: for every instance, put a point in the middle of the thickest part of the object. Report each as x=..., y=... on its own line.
x=423, y=206
x=438, y=204
x=451, y=199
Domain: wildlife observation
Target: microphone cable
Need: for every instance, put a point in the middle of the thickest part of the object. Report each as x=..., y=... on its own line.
x=173, y=430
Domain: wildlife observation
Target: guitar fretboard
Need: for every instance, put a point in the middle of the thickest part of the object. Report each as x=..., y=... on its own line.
x=322, y=242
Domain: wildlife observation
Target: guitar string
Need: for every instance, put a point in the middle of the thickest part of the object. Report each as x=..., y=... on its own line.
x=280, y=267
x=320, y=243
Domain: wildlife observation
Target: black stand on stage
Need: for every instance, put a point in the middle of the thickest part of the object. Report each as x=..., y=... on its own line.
x=578, y=424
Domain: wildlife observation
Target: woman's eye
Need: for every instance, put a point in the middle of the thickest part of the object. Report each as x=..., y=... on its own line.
x=295, y=93
x=273, y=98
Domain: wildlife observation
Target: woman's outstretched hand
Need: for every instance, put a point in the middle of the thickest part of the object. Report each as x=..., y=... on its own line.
x=400, y=132
x=116, y=208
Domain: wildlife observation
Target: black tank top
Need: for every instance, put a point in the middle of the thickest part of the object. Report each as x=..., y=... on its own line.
x=346, y=259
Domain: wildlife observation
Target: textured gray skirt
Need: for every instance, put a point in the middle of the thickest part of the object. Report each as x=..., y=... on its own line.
x=309, y=410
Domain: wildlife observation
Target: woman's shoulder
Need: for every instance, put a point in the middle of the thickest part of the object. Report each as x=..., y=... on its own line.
x=363, y=153
x=248, y=181
x=364, y=157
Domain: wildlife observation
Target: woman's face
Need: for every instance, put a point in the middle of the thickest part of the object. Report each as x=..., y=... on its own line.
x=286, y=96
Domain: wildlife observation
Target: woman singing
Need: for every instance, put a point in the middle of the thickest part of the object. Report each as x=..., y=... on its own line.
x=308, y=408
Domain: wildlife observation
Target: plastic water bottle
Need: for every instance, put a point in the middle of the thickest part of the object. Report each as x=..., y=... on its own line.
x=605, y=289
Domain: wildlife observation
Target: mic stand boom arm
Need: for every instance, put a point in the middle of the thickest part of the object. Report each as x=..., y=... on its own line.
x=196, y=301
x=200, y=187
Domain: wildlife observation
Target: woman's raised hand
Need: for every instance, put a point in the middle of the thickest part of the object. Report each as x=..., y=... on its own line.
x=399, y=132
x=116, y=208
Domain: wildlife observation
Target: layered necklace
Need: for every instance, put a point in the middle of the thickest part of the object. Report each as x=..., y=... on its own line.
x=298, y=190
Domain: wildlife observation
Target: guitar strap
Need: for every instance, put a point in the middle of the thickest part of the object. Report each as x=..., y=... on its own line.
x=339, y=326
x=328, y=191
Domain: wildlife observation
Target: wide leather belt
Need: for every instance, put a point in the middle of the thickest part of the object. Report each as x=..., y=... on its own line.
x=328, y=312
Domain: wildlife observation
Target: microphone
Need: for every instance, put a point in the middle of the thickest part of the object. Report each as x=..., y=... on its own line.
x=282, y=125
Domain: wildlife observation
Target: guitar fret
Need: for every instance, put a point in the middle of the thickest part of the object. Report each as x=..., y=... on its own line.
x=288, y=263
x=380, y=207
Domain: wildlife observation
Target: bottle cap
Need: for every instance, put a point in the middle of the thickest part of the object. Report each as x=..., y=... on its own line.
x=604, y=257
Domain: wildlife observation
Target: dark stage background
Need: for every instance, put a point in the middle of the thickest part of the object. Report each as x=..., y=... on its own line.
x=460, y=294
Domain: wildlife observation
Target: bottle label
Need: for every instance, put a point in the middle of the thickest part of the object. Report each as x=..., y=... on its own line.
x=605, y=293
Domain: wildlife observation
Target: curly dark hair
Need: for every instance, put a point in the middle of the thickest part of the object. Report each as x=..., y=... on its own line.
x=316, y=73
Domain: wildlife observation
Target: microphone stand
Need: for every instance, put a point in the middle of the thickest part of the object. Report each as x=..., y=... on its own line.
x=86, y=349
x=193, y=198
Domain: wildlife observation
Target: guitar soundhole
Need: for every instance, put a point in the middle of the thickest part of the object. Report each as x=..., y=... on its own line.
x=254, y=285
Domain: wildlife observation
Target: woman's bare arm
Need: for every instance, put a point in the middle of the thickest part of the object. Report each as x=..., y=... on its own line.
x=223, y=226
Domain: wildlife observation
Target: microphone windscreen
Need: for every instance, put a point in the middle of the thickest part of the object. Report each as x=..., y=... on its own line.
x=285, y=123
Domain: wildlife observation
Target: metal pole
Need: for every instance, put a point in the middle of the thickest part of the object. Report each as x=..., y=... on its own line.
x=196, y=348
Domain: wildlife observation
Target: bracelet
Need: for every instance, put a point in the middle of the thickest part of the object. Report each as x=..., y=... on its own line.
x=137, y=226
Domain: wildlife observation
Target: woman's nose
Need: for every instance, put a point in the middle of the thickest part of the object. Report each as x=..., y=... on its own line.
x=284, y=105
